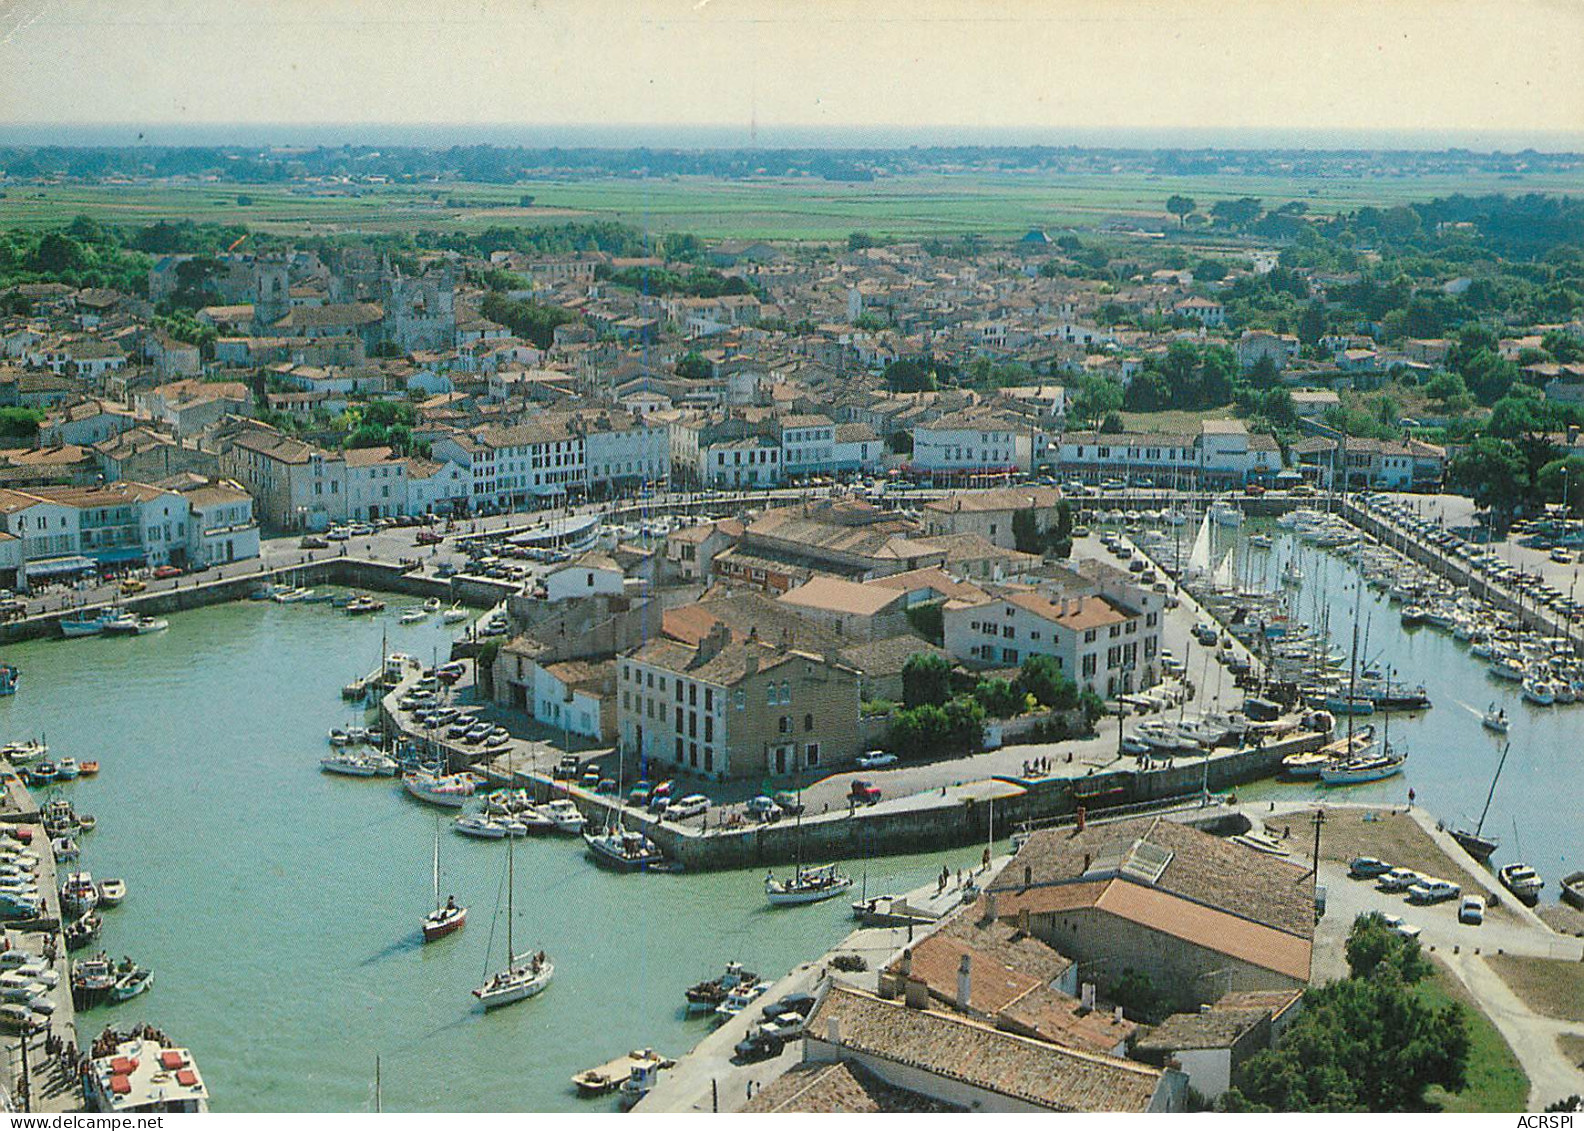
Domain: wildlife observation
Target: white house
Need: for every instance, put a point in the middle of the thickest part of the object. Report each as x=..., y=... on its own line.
x=970, y=442
x=1101, y=644
x=808, y=443
x=376, y=483
x=591, y=575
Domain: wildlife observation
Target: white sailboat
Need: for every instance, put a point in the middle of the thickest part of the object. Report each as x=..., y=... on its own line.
x=525, y=975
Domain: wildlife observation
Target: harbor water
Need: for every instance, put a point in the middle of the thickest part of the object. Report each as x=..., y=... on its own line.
x=1452, y=757
x=279, y=906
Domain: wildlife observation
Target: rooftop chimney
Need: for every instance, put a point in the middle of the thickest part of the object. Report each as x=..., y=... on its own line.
x=1117, y=1015
x=1023, y=919
x=833, y=1030
x=990, y=907
x=1028, y=876
x=1087, y=995
x=964, y=982
x=917, y=994
x=1082, y=813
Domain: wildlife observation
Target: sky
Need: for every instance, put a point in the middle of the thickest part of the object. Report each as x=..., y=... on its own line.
x=1503, y=70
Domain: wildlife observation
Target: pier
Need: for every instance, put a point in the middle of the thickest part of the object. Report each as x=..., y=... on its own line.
x=36, y=1080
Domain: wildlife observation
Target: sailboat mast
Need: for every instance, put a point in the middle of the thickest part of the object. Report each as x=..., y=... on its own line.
x=1483, y=812
x=437, y=864
x=511, y=883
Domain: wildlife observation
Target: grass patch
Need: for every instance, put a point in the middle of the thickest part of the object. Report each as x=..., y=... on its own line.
x=1496, y=1081
x=1549, y=986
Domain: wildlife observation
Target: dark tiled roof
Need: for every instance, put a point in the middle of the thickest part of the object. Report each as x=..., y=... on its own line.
x=840, y=1088
x=955, y=1048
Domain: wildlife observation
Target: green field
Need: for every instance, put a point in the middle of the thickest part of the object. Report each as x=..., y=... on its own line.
x=1496, y=1081
x=991, y=204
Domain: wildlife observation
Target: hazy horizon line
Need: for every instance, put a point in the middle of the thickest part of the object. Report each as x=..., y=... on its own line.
x=778, y=136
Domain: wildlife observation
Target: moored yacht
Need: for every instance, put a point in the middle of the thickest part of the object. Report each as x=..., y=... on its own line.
x=807, y=885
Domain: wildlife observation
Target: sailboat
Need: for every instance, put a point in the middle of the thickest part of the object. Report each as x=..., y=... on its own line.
x=1475, y=843
x=807, y=885
x=525, y=974
x=1359, y=768
x=444, y=918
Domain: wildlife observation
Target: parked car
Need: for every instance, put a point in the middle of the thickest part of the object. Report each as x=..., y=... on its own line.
x=877, y=759
x=1399, y=879
x=1471, y=911
x=313, y=542
x=1433, y=891
x=693, y=805
x=337, y=534
x=763, y=808
x=865, y=791
x=165, y=572
x=133, y=585
x=427, y=537
x=790, y=802
x=1368, y=867
x=1397, y=925
x=567, y=767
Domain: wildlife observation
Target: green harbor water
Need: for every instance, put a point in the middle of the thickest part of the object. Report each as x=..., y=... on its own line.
x=1451, y=756
x=279, y=906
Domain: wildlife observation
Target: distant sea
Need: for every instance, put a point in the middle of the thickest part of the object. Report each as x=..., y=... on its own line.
x=768, y=137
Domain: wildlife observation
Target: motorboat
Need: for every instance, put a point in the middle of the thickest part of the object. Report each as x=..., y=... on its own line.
x=740, y=999
x=623, y=850
x=564, y=815
x=618, y=1073
x=1523, y=881
x=65, y=849
x=137, y=980
x=1573, y=889
x=412, y=615
x=87, y=624
x=432, y=605
x=1263, y=541
x=1540, y=692
x=92, y=979
x=451, y=791
x=807, y=885
x=454, y=615
x=340, y=736
x=112, y=892
x=1495, y=719
x=705, y=996
x=479, y=826
x=67, y=769
x=130, y=624
x=19, y=753
x=349, y=764
x=1507, y=667
x=79, y=894
x=80, y=932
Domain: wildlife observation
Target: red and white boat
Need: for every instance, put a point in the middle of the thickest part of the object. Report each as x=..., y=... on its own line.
x=446, y=917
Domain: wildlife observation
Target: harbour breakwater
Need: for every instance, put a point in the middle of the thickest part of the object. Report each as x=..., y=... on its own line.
x=955, y=816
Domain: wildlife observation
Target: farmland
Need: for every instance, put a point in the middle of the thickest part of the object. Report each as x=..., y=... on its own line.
x=995, y=205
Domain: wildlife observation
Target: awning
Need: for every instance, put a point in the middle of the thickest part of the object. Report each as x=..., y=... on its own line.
x=55, y=567
x=120, y=555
